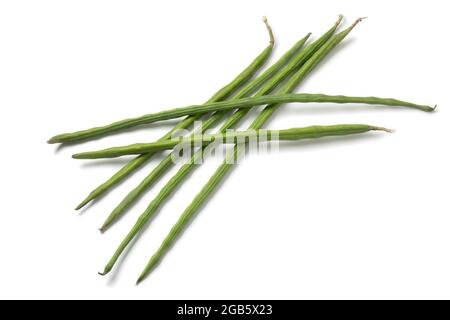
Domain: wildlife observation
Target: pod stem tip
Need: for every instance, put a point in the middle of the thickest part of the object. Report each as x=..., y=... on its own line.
x=357, y=21
x=383, y=129
x=269, y=29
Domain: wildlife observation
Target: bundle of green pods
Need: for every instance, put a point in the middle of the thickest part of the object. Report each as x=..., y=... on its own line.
x=229, y=105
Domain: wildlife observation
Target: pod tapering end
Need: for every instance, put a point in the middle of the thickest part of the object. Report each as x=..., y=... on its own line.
x=383, y=129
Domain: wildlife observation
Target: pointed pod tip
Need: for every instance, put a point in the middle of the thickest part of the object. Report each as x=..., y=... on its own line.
x=105, y=271
x=81, y=205
x=338, y=21
x=106, y=224
x=86, y=201
x=428, y=108
x=383, y=129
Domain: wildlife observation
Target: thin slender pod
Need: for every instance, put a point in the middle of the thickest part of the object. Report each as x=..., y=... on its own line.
x=234, y=137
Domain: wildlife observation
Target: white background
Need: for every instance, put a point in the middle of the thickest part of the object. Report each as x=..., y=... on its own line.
x=364, y=217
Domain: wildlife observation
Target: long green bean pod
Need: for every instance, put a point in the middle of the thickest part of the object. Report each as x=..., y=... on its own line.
x=235, y=137
x=220, y=95
x=270, y=74
x=223, y=169
x=188, y=167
